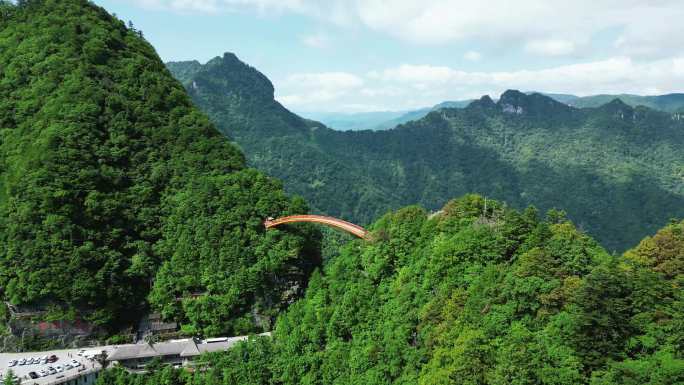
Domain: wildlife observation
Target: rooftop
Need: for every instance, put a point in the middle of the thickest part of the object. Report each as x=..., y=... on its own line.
x=189, y=347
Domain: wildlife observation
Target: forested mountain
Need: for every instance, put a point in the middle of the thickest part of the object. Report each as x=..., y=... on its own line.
x=618, y=171
x=114, y=186
x=117, y=195
x=477, y=294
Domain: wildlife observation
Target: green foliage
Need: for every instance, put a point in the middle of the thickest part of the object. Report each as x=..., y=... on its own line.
x=230, y=262
x=478, y=294
x=10, y=378
x=162, y=375
x=108, y=173
x=245, y=364
x=616, y=170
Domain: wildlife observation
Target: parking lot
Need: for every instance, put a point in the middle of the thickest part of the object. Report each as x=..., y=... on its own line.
x=63, y=361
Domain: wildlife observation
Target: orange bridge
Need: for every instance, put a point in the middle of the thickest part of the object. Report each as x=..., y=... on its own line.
x=328, y=221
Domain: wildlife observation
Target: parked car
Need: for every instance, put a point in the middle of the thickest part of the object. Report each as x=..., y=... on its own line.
x=68, y=366
x=52, y=358
x=42, y=373
x=22, y=361
x=33, y=375
x=80, y=353
x=51, y=370
x=12, y=363
x=59, y=368
x=75, y=363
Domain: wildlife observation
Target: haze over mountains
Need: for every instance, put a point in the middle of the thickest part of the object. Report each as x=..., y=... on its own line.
x=379, y=120
x=616, y=169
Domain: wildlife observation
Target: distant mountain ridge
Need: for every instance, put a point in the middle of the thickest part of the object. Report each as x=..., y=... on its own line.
x=417, y=114
x=667, y=102
x=617, y=170
x=355, y=121
x=384, y=120
x=377, y=120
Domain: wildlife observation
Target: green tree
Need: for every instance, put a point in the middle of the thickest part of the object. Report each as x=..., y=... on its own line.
x=10, y=378
x=476, y=294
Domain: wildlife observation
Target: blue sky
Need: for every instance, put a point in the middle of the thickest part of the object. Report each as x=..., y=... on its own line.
x=364, y=55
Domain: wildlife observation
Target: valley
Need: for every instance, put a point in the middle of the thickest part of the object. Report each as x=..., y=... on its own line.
x=617, y=170
x=176, y=224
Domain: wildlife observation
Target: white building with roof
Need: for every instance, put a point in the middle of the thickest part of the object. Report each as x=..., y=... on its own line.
x=173, y=352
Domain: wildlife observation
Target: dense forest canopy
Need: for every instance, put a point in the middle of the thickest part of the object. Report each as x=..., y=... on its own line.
x=113, y=186
x=617, y=170
x=478, y=294
x=117, y=195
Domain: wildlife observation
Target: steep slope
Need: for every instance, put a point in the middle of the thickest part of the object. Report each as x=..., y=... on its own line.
x=284, y=144
x=618, y=171
x=108, y=173
x=478, y=294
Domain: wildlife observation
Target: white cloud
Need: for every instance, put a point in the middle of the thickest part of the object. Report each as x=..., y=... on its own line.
x=472, y=56
x=206, y=6
x=410, y=86
x=553, y=27
x=619, y=74
x=316, y=41
x=645, y=28
x=313, y=89
x=642, y=43
x=383, y=92
x=326, y=80
x=550, y=47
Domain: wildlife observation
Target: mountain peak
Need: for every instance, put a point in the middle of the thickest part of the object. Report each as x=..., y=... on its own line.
x=513, y=95
x=618, y=109
x=520, y=103
x=228, y=58
x=228, y=74
x=617, y=103
x=485, y=102
x=514, y=102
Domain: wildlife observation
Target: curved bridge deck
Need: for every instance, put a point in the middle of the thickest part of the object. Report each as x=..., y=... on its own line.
x=328, y=221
